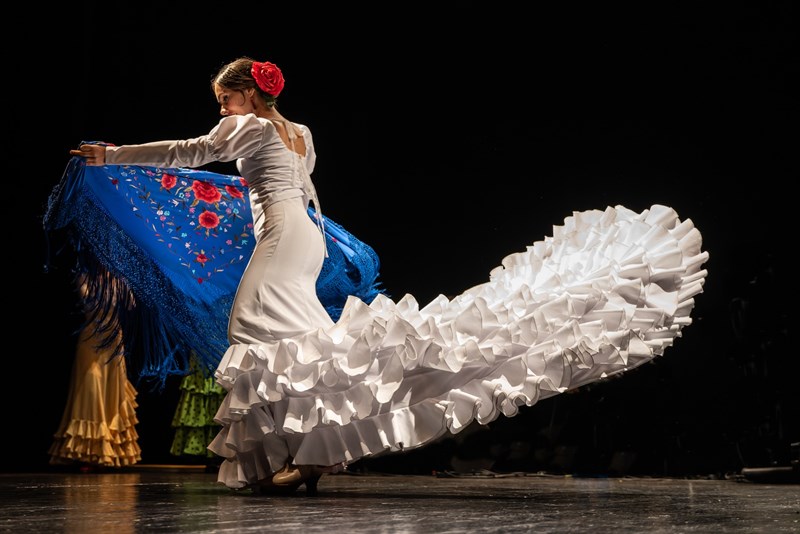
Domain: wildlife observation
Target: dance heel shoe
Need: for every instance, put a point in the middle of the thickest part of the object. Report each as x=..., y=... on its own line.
x=294, y=476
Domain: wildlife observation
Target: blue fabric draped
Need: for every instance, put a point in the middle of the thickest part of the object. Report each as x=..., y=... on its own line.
x=164, y=250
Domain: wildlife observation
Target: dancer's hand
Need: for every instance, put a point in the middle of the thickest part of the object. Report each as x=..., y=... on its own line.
x=93, y=154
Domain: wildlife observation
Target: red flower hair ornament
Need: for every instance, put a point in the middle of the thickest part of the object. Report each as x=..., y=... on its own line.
x=268, y=77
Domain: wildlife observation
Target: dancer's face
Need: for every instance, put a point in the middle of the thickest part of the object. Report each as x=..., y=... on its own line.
x=234, y=102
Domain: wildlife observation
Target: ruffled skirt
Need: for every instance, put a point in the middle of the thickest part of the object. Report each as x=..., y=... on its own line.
x=608, y=291
x=98, y=425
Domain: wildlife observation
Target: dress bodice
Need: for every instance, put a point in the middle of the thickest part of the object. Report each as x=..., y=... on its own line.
x=276, y=171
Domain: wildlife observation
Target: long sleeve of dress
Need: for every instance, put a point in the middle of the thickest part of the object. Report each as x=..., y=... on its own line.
x=236, y=136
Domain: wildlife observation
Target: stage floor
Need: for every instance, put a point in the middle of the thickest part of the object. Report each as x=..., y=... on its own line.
x=185, y=499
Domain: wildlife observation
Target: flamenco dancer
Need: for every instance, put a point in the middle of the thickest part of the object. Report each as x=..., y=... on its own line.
x=306, y=395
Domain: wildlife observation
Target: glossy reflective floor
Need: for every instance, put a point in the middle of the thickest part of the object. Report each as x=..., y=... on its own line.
x=189, y=500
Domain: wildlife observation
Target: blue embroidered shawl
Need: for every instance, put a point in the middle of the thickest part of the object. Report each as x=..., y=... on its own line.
x=178, y=240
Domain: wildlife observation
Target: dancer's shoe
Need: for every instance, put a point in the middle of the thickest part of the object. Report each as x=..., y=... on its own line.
x=297, y=475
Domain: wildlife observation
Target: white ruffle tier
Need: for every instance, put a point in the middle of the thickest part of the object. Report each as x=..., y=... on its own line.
x=609, y=291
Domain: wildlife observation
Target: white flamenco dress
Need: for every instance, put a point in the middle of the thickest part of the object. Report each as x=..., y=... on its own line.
x=608, y=291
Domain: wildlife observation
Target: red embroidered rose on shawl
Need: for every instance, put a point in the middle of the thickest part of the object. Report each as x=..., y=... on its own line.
x=168, y=181
x=208, y=219
x=233, y=192
x=206, y=191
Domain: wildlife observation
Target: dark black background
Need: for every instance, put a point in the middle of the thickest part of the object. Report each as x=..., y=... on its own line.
x=446, y=140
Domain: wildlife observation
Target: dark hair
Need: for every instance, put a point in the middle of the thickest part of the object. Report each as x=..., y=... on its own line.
x=236, y=76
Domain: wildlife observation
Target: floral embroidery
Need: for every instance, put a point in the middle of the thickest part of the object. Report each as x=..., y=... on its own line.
x=233, y=192
x=168, y=181
x=206, y=192
x=205, y=239
x=208, y=219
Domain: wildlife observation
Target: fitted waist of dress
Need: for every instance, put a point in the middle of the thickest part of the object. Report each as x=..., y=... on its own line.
x=267, y=200
x=276, y=196
x=261, y=202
